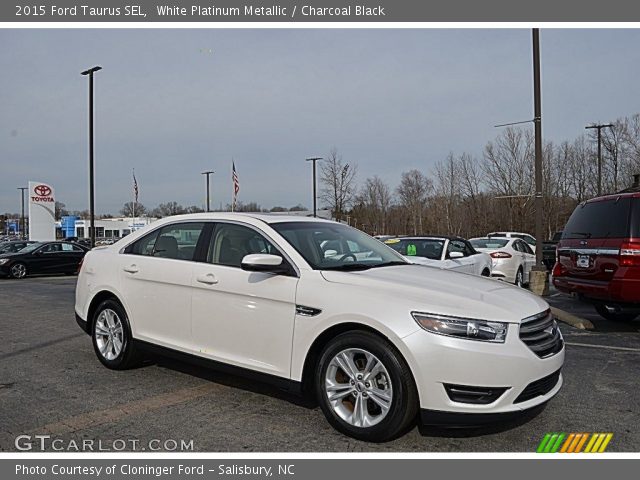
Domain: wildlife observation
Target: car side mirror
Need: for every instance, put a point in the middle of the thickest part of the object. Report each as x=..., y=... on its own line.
x=454, y=255
x=263, y=262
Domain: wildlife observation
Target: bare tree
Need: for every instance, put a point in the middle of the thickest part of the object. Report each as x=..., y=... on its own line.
x=373, y=204
x=338, y=183
x=414, y=190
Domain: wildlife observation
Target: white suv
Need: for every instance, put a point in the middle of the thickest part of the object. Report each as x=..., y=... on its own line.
x=374, y=338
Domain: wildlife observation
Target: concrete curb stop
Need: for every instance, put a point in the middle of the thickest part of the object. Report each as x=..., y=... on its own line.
x=577, y=322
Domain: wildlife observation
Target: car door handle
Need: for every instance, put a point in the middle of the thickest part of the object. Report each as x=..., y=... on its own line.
x=208, y=279
x=131, y=269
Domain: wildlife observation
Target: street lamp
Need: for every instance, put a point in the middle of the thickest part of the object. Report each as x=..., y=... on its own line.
x=92, y=213
x=208, y=173
x=22, y=215
x=599, y=128
x=314, y=160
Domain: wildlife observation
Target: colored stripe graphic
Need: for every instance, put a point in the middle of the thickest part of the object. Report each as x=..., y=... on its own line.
x=558, y=442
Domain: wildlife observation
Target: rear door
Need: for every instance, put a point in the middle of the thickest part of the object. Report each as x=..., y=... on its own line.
x=464, y=264
x=591, y=241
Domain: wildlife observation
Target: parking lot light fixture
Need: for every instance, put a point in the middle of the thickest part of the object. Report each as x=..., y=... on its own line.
x=22, y=231
x=208, y=173
x=92, y=213
x=315, y=197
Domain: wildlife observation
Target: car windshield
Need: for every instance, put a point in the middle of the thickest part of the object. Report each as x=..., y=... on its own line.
x=31, y=248
x=489, y=242
x=331, y=246
x=418, y=247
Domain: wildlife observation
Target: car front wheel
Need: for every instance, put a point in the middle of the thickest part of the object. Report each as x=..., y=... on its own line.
x=18, y=270
x=365, y=388
x=111, y=336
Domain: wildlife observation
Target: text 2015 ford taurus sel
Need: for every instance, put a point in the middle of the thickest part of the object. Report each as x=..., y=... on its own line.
x=374, y=338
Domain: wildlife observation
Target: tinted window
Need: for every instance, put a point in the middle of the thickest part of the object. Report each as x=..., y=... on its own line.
x=177, y=241
x=527, y=249
x=489, y=242
x=230, y=243
x=52, y=248
x=458, y=246
x=601, y=219
x=418, y=247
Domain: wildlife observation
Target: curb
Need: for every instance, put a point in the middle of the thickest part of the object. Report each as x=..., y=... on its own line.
x=577, y=322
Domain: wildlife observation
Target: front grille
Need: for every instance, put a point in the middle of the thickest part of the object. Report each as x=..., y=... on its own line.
x=475, y=395
x=541, y=334
x=539, y=387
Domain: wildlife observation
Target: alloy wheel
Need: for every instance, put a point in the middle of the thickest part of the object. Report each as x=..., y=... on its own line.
x=519, y=278
x=358, y=387
x=18, y=270
x=109, y=334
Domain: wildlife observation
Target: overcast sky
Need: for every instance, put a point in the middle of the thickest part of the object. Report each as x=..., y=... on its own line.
x=172, y=103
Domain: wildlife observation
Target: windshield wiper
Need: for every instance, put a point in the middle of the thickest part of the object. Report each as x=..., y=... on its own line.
x=349, y=267
x=390, y=264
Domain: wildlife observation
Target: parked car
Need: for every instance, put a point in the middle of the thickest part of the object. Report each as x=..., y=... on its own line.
x=13, y=246
x=512, y=258
x=450, y=253
x=549, y=250
x=42, y=258
x=373, y=338
x=529, y=239
x=599, y=255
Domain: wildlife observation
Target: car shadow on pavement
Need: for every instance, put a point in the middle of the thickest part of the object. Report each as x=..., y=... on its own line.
x=230, y=380
x=481, y=430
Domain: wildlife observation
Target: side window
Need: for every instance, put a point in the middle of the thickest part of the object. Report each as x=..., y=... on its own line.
x=178, y=241
x=52, y=248
x=67, y=247
x=517, y=245
x=230, y=243
x=530, y=240
x=527, y=249
x=457, y=246
x=144, y=246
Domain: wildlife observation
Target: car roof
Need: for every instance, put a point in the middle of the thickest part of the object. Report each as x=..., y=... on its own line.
x=269, y=218
x=614, y=196
x=429, y=237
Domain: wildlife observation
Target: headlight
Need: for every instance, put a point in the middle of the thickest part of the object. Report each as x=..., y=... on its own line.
x=467, y=328
x=3, y=261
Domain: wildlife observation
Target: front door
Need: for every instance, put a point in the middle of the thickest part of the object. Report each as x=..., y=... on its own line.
x=239, y=317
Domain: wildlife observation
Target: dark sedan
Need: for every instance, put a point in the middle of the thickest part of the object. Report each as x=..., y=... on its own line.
x=43, y=258
x=13, y=246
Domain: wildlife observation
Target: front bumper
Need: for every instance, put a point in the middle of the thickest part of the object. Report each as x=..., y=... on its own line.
x=438, y=360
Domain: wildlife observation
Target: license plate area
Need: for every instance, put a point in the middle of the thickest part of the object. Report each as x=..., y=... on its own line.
x=582, y=261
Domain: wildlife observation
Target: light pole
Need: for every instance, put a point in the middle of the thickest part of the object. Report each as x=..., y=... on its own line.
x=92, y=212
x=22, y=214
x=314, y=160
x=208, y=173
x=599, y=128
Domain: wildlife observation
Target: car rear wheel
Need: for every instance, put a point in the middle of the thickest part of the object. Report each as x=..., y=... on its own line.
x=519, y=279
x=486, y=273
x=614, y=315
x=365, y=388
x=18, y=270
x=111, y=337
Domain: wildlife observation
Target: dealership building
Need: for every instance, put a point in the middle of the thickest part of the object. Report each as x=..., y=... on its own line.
x=71, y=226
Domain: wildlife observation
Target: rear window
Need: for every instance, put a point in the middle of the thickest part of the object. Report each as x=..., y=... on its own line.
x=601, y=219
x=489, y=242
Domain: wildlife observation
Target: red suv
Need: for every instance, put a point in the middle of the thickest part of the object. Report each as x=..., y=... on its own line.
x=598, y=256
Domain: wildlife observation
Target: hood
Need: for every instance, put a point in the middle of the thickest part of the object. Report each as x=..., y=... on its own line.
x=9, y=255
x=434, y=290
x=423, y=261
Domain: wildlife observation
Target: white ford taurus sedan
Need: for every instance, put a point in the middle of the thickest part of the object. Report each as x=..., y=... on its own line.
x=375, y=339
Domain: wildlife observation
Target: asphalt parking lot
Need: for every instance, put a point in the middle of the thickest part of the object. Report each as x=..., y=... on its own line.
x=52, y=383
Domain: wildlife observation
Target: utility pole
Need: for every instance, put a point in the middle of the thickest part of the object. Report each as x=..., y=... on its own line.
x=208, y=173
x=539, y=281
x=92, y=213
x=314, y=160
x=599, y=128
x=22, y=230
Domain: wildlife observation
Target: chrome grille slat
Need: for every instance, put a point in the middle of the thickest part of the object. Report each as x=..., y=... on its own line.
x=541, y=334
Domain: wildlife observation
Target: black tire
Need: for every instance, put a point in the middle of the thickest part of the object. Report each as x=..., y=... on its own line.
x=519, y=278
x=615, y=316
x=128, y=356
x=486, y=273
x=18, y=270
x=403, y=408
